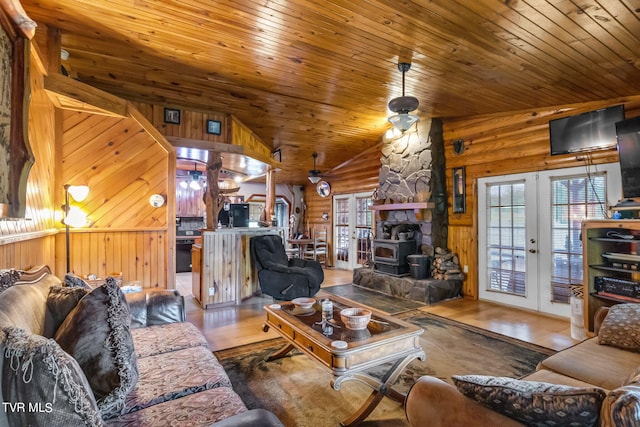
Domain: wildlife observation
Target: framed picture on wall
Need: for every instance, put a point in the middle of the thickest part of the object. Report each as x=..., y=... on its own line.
x=214, y=127
x=459, y=183
x=172, y=116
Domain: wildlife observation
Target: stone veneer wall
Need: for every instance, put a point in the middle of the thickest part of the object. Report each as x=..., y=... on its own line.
x=413, y=170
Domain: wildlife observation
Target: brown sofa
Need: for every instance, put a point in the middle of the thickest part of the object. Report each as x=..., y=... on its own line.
x=169, y=376
x=605, y=371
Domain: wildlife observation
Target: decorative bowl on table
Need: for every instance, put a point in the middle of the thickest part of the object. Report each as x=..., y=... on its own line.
x=303, y=303
x=355, y=318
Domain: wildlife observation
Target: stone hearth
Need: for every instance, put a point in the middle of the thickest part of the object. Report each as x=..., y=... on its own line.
x=428, y=291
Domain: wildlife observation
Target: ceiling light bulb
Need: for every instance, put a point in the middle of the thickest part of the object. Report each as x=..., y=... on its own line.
x=314, y=179
x=183, y=184
x=194, y=185
x=403, y=122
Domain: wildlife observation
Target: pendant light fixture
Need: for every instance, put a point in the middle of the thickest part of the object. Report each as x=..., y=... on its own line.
x=314, y=174
x=403, y=105
x=195, y=178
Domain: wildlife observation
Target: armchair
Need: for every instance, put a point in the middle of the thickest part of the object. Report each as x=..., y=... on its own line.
x=280, y=277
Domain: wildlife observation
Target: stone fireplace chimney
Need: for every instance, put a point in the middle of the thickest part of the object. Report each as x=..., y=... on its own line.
x=413, y=170
x=412, y=196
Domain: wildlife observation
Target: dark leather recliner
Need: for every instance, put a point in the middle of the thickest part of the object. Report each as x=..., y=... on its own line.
x=280, y=277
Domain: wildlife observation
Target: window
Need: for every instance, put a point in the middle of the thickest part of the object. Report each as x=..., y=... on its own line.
x=256, y=208
x=572, y=200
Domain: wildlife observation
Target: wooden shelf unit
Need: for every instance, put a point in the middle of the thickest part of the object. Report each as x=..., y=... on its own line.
x=595, y=242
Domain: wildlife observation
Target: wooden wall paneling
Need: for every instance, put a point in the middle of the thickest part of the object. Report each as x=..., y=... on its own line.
x=123, y=163
x=192, y=123
x=150, y=246
x=132, y=253
x=509, y=143
x=167, y=187
x=122, y=174
x=28, y=253
x=189, y=202
x=141, y=268
x=250, y=278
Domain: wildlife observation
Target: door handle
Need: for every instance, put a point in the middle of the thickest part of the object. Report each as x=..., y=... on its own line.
x=533, y=251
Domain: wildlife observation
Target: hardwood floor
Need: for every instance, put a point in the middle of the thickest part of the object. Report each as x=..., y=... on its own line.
x=228, y=327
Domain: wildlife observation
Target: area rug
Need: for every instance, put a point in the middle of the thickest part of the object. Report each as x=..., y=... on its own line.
x=297, y=389
x=387, y=303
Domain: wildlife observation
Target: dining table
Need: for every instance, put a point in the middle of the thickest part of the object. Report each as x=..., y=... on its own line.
x=301, y=244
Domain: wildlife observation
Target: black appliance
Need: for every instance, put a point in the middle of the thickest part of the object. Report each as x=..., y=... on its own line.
x=628, y=132
x=187, y=228
x=593, y=130
x=239, y=215
x=183, y=255
x=616, y=286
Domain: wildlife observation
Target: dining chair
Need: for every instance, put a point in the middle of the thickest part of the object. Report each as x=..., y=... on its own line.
x=317, y=249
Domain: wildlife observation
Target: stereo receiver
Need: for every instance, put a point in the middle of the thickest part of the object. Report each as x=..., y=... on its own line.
x=614, y=285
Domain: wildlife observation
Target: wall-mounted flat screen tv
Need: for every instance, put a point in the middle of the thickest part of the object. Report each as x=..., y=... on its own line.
x=593, y=130
x=628, y=133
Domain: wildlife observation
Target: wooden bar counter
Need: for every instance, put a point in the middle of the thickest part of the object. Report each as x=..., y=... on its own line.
x=222, y=271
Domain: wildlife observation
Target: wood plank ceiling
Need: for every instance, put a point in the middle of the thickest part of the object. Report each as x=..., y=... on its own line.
x=316, y=75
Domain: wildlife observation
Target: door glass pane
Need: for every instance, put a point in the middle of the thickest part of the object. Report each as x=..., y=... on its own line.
x=363, y=229
x=341, y=238
x=494, y=217
x=506, y=238
x=342, y=243
x=573, y=199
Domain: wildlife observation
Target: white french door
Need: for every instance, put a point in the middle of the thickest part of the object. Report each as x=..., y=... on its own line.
x=529, y=247
x=508, y=240
x=351, y=229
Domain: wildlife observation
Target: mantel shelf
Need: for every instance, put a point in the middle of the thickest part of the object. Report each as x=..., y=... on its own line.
x=418, y=209
x=403, y=206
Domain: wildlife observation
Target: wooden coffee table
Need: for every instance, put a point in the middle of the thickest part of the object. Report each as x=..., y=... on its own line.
x=386, y=339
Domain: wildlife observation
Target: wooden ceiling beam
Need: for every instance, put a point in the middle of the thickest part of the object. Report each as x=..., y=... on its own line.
x=220, y=147
x=71, y=94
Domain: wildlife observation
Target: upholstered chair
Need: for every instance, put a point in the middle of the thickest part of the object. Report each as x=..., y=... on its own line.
x=280, y=277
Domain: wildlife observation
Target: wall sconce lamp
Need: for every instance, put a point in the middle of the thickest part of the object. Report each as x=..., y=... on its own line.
x=73, y=215
x=458, y=146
